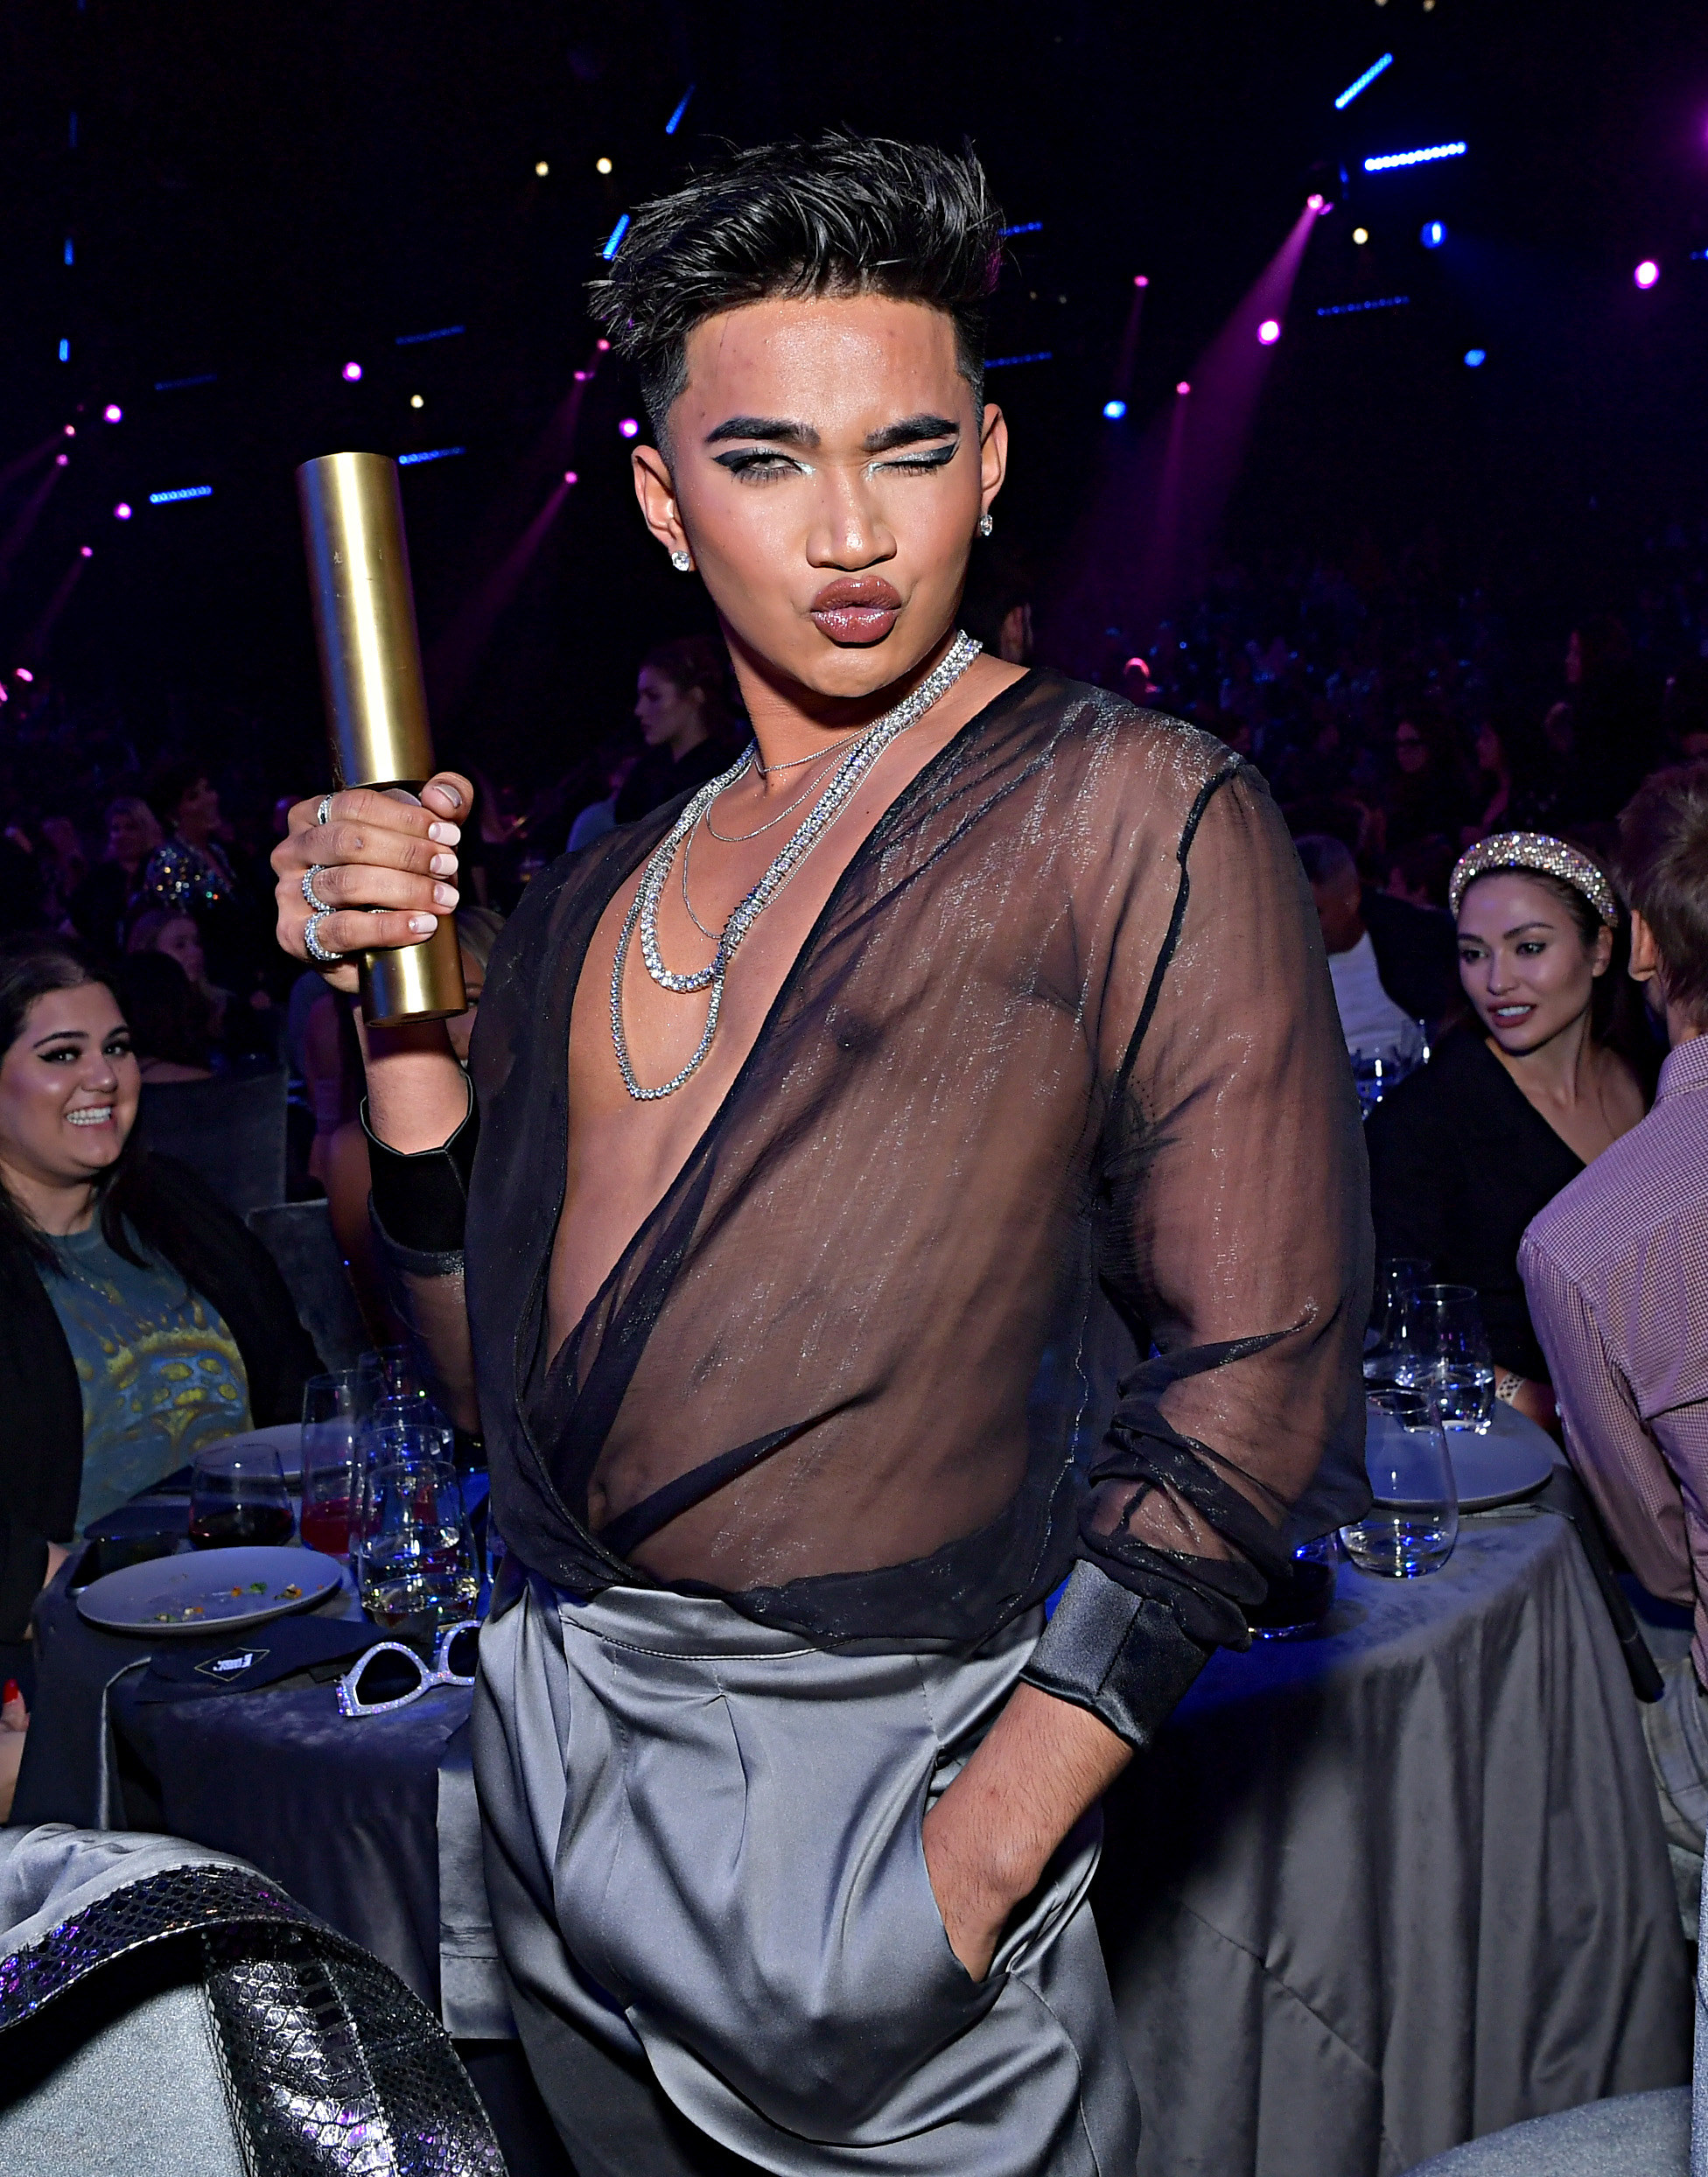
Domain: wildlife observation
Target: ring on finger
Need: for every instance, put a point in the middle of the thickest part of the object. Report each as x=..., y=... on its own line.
x=325, y=810
x=310, y=893
x=316, y=952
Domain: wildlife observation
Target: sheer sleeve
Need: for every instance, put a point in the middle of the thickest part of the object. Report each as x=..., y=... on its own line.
x=1237, y=1247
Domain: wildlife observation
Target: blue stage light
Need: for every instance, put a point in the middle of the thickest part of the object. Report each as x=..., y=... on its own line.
x=414, y=340
x=185, y=491
x=1475, y=358
x=675, y=122
x=1384, y=160
x=616, y=240
x=1352, y=310
x=1026, y=227
x=71, y=254
x=1001, y=363
x=1363, y=82
x=1115, y=410
x=439, y=453
x=1433, y=234
x=65, y=351
x=171, y=385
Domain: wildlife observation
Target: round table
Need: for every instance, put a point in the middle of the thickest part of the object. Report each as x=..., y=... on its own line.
x=1372, y=1892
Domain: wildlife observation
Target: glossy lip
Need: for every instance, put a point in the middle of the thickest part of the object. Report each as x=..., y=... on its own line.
x=858, y=609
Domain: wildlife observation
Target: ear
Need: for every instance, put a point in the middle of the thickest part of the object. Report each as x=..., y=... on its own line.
x=992, y=455
x=1601, y=954
x=657, y=492
x=1645, y=962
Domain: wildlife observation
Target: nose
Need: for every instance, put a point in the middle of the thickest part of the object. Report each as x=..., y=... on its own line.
x=848, y=532
x=100, y=1075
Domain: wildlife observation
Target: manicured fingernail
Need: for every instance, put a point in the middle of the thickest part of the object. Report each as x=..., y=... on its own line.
x=423, y=925
x=445, y=895
x=10, y=1692
x=443, y=865
x=449, y=793
x=446, y=835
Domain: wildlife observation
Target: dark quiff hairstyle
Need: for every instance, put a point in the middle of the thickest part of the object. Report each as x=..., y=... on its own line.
x=31, y=964
x=842, y=215
x=1663, y=864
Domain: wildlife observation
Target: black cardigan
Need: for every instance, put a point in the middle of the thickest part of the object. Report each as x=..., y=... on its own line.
x=41, y=1406
x=1460, y=1161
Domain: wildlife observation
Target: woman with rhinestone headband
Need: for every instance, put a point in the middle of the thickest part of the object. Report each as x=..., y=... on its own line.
x=1513, y=1105
x=971, y=1020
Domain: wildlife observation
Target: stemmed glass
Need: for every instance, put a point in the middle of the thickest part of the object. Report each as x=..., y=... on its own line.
x=414, y=1553
x=237, y=1495
x=1413, y=1525
x=329, y=1428
x=1447, y=1355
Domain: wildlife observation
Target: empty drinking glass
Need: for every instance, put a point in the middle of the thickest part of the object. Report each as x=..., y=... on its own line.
x=1385, y=1339
x=237, y=1495
x=1447, y=1355
x=414, y=1554
x=1379, y=1066
x=389, y=1372
x=329, y=1461
x=1412, y=1526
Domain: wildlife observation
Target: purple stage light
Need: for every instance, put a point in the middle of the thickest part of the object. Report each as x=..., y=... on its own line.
x=351, y=372
x=71, y=431
x=23, y=673
x=1647, y=273
x=1269, y=332
x=1315, y=199
x=1183, y=386
x=59, y=460
x=603, y=345
x=113, y=412
x=629, y=428
x=581, y=377
x=122, y=512
x=569, y=476
x=86, y=551
x=1141, y=280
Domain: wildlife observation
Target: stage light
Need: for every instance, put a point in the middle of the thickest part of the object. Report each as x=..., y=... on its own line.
x=1035, y=355
x=351, y=372
x=113, y=412
x=440, y=333
x=61, y=459
x=86, y=551
x=629, y=428
x=1647, y=273
x=1026, y=227
x=1183, y=386
x=1475, y=358
x=415, y=401
x=1115, y=410
x=1385, y=161
x=71, y=254
x=1432, y=234
x=1352, y=310
x=71, y=431
x=603, y=345
x=185, y=491
x=1269, y=332
x=1140, y=280
x=582, y=376
x=1363, y=82
x=1361, y=235
x=675, y=122
x=65, y=351
x=601, y=165
x=1313, y=202
x=439, y=453
x=23, y=673
x=569, y=476
x=171, y=385
x=122, y=512
x=615, y=242
x=542, y=167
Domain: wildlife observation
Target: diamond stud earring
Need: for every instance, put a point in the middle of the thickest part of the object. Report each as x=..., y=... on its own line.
x=682, y=562
x=985, y=525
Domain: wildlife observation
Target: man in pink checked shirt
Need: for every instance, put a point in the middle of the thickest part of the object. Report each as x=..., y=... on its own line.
x=1616, y=1270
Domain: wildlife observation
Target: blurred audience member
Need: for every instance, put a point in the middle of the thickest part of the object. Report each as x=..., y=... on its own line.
x=1511, y=1108
x=616, y=761
x=190, y=868
x=1492, y=786
x=102, y=904
x=1616, y=1269
x=681, y=700
x=1426, y=798
x=172, y=932
x=1419, y=875
x=1391, y=962
x=167, y=1016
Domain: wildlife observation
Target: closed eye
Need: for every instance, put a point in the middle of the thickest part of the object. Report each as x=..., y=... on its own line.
x=936, y=457
x=754, y=465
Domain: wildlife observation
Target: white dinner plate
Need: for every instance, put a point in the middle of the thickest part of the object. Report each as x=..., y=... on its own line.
x=285, y=1436
x=209, y=1591
x=1514, y=1457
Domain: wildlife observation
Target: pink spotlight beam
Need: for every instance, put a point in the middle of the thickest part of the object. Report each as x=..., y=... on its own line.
x=1269, y=332
x=1184, y=387
x=629, y=428
x=113, y=412
x=351, y=372
x=1647, y=273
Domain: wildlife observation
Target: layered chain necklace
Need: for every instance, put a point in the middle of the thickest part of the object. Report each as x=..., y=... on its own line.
x=863, y=751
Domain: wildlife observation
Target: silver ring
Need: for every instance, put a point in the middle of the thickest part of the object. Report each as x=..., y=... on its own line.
x=325, y=810
x=310, y=893
x=316, y=952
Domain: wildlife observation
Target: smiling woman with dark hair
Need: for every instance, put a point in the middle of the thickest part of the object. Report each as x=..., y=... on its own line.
x=138, y=1317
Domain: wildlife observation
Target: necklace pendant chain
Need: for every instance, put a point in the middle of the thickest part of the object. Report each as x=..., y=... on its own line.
x=856, y=760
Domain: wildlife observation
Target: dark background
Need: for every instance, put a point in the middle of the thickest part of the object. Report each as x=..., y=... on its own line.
x=267, y=193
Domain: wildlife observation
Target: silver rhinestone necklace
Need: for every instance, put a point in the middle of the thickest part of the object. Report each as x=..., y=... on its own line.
x=643, y=908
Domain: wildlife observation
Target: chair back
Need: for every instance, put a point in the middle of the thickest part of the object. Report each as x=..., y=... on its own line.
x=229, y=1131
x=299, y=1237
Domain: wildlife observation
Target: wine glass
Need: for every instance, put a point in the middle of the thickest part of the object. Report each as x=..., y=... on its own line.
x=1413, y=1525
x=1447, y=1355
x=1385, y=1339
x=237, y=1495
x=329, y=1461
x=415, y=1555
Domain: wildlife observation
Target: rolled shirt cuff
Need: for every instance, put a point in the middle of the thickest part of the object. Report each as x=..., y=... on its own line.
x=420, y=1200
x=1123, y=1657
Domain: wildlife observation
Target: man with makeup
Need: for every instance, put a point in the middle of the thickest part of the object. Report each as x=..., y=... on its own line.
x=844, y=1130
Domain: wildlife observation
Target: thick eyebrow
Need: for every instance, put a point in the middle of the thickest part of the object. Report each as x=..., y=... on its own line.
x=910, y=431
x=1518, y=929
x=780, y=428
x=59, y=1035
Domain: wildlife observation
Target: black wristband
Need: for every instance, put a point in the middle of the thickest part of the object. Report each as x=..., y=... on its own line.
x=1122, y=1656
x=421, y=1200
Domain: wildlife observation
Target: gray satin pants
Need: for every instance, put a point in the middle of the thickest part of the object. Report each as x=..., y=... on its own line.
x=703, y=1859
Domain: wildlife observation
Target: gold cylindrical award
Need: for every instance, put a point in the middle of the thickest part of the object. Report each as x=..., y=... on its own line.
x=377, y=699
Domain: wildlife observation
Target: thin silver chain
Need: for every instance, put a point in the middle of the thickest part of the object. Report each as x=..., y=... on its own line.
x=643, y=908
x=738, y=838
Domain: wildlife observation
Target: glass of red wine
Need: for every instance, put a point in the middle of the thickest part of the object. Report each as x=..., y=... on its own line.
x=237, y=1495
x=330, y=1461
